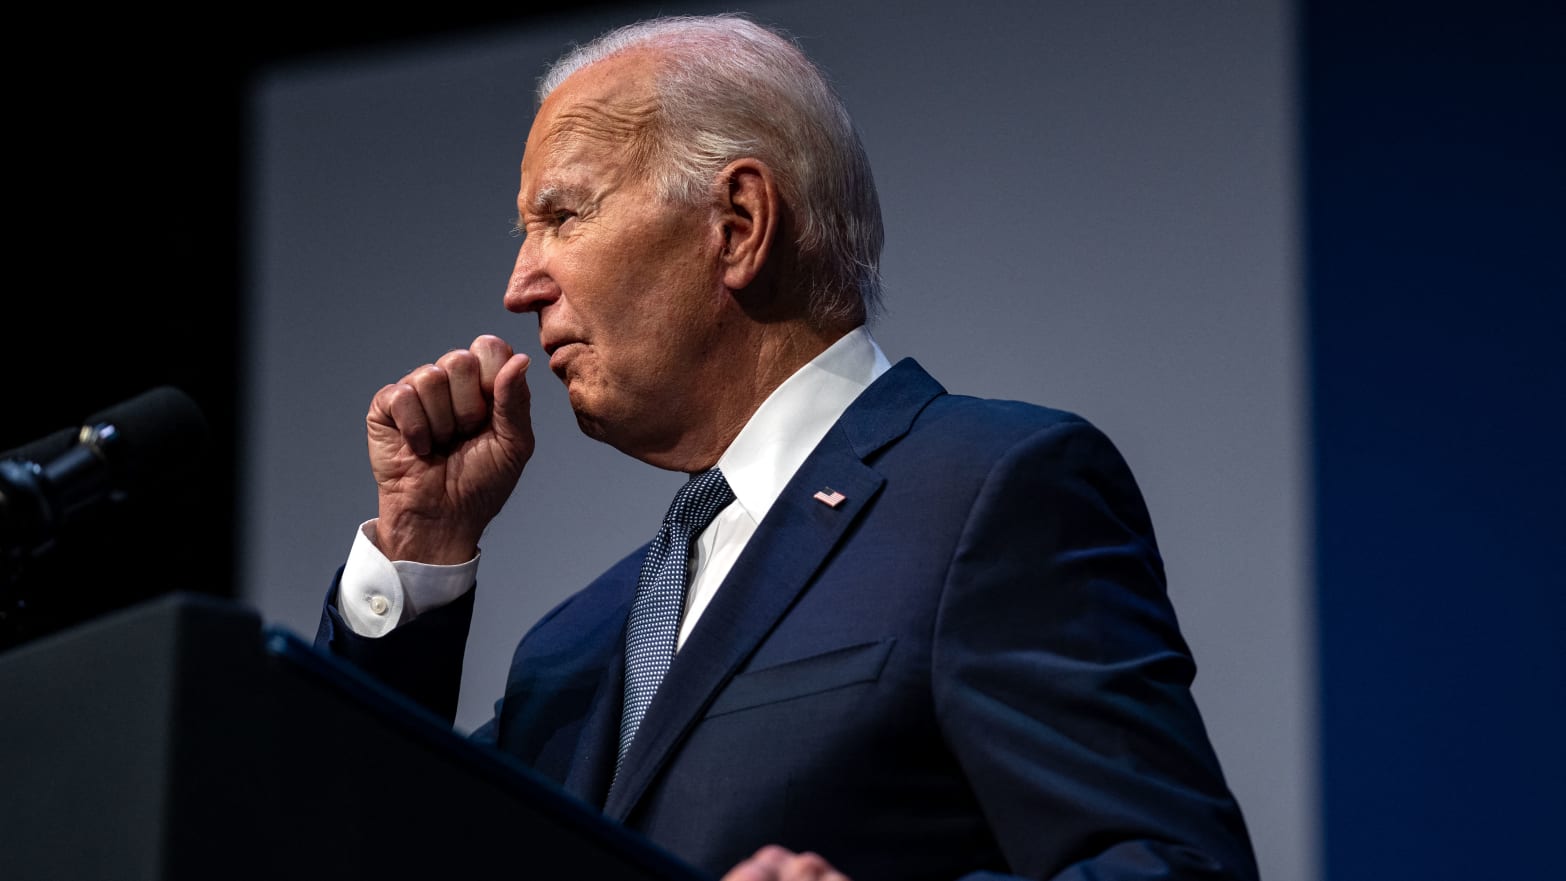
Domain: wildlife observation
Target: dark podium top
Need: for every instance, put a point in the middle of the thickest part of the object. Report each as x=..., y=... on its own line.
x=181, y=740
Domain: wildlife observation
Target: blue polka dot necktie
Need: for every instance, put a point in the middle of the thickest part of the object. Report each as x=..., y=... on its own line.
x=660, y=597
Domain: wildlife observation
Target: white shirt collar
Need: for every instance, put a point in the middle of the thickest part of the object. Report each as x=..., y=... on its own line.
x=787, y=426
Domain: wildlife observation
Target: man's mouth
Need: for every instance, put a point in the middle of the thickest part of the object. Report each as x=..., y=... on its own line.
x=559, y=353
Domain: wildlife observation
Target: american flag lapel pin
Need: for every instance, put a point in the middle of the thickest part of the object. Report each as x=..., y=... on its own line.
x=829, y=497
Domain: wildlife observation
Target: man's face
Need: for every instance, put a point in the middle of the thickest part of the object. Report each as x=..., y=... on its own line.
x=626, y=285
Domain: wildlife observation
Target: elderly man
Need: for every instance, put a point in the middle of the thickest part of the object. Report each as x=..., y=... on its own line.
x=894, y=632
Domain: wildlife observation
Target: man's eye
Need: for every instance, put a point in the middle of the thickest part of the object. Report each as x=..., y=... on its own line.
x=562, y=216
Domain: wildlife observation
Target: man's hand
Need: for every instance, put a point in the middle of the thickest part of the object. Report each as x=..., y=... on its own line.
x=774, y=863
x=447, y=444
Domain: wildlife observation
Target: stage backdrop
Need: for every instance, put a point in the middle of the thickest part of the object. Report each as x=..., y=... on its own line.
x=1089, y=206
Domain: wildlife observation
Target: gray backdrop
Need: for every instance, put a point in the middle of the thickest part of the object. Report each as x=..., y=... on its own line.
x=1088, y=205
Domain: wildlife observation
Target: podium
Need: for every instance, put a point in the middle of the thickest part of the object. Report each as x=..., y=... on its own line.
x=180, y=739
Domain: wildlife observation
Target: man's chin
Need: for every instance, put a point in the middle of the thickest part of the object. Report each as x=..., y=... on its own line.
x=588, y=425
x=591, y=418
x=588, y=419
x=619, y=434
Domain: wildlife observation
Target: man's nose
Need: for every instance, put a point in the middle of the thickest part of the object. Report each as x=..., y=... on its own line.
x=531, y=288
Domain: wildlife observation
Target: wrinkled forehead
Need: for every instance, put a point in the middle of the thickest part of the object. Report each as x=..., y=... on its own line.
x=601, y=126
x=600, y=112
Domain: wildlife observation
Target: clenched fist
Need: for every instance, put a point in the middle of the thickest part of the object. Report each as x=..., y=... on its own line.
x=447, y=445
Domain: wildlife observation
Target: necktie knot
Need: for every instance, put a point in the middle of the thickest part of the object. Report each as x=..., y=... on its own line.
x=698, y=501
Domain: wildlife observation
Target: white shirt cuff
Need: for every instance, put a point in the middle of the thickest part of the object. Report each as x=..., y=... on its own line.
x=376, y=594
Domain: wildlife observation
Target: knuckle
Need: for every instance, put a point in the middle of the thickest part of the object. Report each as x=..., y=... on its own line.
x=428, y=378
x=490, y=342
x=773, y=854
x=381, y=401
x=457, y=360
x=394, y=396
x=404, y=406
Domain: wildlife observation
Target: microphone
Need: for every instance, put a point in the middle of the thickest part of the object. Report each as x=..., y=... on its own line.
x=120, y=453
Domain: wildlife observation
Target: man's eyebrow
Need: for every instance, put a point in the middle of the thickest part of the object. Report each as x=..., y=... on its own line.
x=551, y=195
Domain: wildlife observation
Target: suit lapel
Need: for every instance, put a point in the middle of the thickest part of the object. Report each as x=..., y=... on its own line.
x=590, y=772
x=789, y=546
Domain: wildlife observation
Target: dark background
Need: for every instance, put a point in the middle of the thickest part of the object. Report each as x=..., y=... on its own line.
x=1433, y=174
x=130, y=142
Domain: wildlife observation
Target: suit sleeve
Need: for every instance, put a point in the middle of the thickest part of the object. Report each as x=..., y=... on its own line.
x=1062, y=681
x=422, y=659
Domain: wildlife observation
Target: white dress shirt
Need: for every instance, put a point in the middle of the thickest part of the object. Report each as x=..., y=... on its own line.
x=377, y=594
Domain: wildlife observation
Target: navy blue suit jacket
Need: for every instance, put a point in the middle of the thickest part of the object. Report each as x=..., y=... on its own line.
x=969, y=665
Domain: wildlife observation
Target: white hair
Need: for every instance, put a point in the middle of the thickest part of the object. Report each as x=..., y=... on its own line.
x=729, y=88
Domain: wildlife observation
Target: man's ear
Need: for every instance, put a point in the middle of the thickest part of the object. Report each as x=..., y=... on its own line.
x=750, y=211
